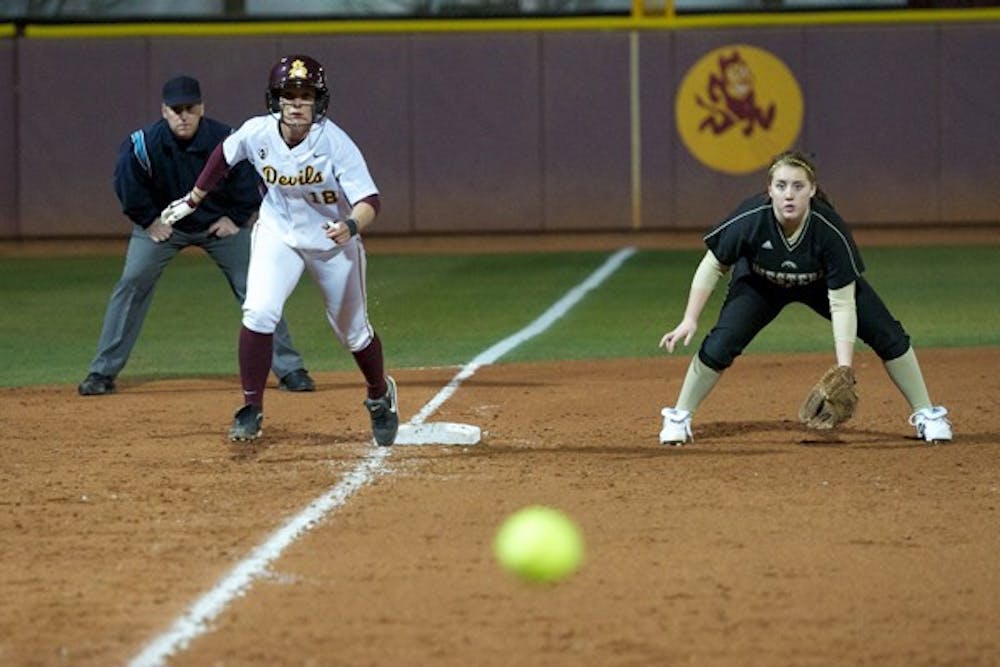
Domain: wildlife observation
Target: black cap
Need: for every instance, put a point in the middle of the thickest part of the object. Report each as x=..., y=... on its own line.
x=181, y=90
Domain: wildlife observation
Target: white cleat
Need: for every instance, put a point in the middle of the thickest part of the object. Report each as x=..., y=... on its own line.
x=932, y=424
x=676, y=427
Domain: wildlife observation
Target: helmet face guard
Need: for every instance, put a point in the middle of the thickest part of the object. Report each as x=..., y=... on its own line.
x=298, y=72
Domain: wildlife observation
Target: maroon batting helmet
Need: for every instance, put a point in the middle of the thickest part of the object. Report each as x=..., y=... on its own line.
x=297, y=72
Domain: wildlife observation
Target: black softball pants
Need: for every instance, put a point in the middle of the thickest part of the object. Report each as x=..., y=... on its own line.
x=752, y=303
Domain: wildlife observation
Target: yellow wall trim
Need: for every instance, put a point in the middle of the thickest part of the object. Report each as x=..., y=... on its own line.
x=581, y=23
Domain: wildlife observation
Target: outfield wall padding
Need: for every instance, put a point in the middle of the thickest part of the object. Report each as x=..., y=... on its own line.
x=526, y=131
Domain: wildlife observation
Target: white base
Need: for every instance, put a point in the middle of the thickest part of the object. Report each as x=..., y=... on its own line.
x=438, y=433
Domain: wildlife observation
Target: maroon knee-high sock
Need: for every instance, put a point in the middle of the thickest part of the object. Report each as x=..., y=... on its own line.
x=369, y=360
x=255, y=364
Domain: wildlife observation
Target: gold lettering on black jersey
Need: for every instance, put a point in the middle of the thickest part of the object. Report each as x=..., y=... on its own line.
x=786, y=278
x=308, y=176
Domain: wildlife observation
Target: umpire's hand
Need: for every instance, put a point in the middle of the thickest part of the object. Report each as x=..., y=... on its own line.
x=223, y=227
x=159, y=232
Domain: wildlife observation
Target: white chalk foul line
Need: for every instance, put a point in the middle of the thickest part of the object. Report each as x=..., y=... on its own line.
x=195, y=621
x=544, y=321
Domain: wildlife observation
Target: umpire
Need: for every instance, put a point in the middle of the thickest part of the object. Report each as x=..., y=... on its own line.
x=156, y=165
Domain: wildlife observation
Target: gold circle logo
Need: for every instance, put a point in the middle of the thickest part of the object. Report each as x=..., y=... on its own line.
x=737, y=108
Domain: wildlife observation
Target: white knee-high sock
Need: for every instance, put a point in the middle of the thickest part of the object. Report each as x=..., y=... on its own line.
x=905, y=373
x=698, y=382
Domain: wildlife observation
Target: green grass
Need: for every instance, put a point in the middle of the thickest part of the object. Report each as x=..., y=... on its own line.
x=444, y=309
x=937, y=293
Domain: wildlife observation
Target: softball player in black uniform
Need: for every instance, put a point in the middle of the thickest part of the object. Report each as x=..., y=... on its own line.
x=786, y=246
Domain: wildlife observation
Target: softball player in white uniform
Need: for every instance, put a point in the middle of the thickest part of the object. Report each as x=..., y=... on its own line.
x=320, y=195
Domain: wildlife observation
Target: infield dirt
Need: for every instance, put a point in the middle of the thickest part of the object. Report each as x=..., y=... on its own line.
x=762, y=543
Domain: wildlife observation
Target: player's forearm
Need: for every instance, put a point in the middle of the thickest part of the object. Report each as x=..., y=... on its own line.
x=215, y=170
x=844, y=320
x=844, y=352
x=697, y=298
x=705, y=279
x=365, y=211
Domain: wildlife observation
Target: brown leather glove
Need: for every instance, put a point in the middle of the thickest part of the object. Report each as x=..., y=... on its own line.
x=832, y=401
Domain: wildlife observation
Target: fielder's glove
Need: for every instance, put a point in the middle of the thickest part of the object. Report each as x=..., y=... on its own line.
x=832, y=401
x=178, y=210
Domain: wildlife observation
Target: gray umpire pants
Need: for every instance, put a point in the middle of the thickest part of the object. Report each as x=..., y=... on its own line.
x=145, y=261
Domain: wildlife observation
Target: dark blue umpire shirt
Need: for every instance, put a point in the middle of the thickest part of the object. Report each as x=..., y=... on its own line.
x=154, y=169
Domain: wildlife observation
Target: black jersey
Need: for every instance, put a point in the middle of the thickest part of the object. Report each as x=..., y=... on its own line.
x=824, y=251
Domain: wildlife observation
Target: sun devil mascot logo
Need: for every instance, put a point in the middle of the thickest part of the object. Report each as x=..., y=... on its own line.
x=737, y=108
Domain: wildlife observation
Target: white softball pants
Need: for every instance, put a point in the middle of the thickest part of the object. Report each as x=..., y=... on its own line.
x=275, y=270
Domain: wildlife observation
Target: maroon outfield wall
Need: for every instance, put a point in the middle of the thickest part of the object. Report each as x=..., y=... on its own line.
x=9, y=225
x=526, y=130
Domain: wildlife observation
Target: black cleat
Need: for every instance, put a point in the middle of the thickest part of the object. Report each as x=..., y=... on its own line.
x=247, y=424
x=385, y=415
x=96, y=384
x=297, y=381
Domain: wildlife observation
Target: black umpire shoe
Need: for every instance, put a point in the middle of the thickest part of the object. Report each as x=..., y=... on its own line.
x=297, y=381
x=96, y=384
x=385, y=415
x=247, y=424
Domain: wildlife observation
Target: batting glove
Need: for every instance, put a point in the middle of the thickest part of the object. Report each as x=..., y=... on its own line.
x=178, y=210
x=350, y=223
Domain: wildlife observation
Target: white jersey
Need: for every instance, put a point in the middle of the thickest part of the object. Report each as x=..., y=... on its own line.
x=318, y=180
